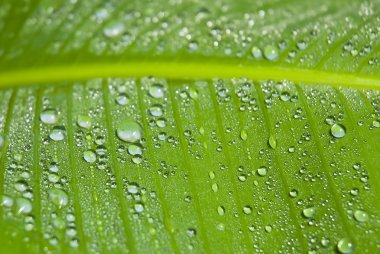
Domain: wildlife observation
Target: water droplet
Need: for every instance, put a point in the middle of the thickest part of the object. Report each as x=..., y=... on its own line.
x=49, y=116
x=262, y=171
x=268, y=229
x=114, y=29
x=134, y=149
x=256, y=52
x=139, y=208
x=338, y=130
x=122, y=99
x=156, y=110
x=243, y=135
x=23, y=205
x=361, y=216
x=309, y=212
x=221, y=210
x=6, y=201
x=137, y=159
x=21, y=185
x=191, y=232
x=345, y=246
x=272, y=141
x=89, y=156
x=59, y=197
x=247, y=209
x=285, y=96
x=354, y=192
x=58, y=133
x=132, y=188
x=53, y=178
x=84, y=121
x=129, y=131
x=293, y=193
x=271, y=52
x=214, y=187
x=157, y=90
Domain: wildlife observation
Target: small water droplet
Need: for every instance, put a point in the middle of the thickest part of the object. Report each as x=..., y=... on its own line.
x=122, y=99
x=21, y=185
x=114, y=29
x=89, y=156
x=129, y=131
x=58, y=133
x=23, y=205
x=49, y=116
x=256, y=52
x=361, y=216
x=244, y=135
x=271, y=52
x=262, y=171
x=345, y=246
x=156, y=110
x=6, y=201
x=309, y=212
x=134, y=149
x=84, y=121
x=272, y=141
x=191, y=232
x=214, y=187
x=247, y=209
x=221, y=210
x=293, y=193
x=59, y=197
x=157, y=90
x=139, y=208
x=338, y=130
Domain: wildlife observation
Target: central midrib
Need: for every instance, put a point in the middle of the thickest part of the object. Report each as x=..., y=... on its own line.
x=181, y=70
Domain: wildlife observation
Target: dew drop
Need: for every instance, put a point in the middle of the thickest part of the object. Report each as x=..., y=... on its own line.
x=361, y=216
x=309, y=212
x=272, y=141
x=221, y=210
x=122, y=99
x=243, y=135
x=271, y=52
x=247, y=209
x=129, y=131
x=191, y=232
x=49, y=116
x=114, y=29
x=134, y=149
x=6, y=201
x=293, y=193
x=59, y=197
x=345, y=246
x=157, y=90
x=58, y=133
x=84, y=121
x=139, y=208
x=214, y=187
x=21, y=185
x=137, y=159
x=156, y=110
x=338, y=130
x=89, y=156
x=23, y=205
x=256, y=52
x=262, y=171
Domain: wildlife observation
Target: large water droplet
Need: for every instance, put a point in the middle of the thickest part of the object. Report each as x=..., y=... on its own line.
x=23, y=205
x=345, y=246
x=156, y=110
x=89, y=156
x=6, y=201
x=247, y=209
x=122, y=99
x=139, y=208
x=156, y=91
x=114, y=29
x=84, y=121
x=338, y=130
x=262, y=171
x=59, y=197
x=361, y=216
x=271, y=52
x=129, y=131
x=21, y=185
x=58, y=133
x=309, y=212
x=49, y=116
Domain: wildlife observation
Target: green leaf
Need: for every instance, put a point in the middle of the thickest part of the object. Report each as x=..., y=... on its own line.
x=183, y=126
